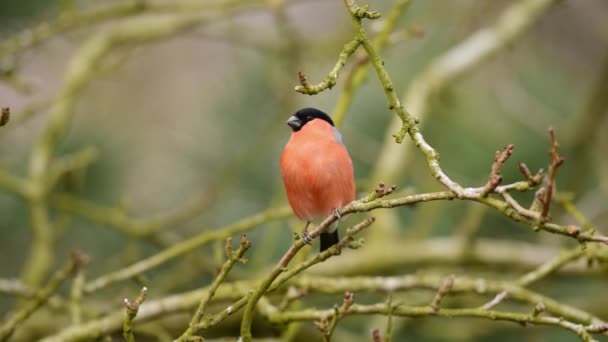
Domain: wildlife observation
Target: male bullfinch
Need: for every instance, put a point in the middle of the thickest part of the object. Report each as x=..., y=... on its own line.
x=317, y=171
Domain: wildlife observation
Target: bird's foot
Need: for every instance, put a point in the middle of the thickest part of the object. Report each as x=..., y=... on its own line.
x=306, y=237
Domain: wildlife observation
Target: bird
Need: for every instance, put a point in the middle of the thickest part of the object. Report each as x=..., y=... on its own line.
x=317, y=171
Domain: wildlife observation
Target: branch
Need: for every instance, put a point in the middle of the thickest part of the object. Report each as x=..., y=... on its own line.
x=540, y=272
x=556, y=161
x=132, y=307
x=339, y=313
x=329, y=81
x=552, y=266
x=474, y=194
x=480, y=286
x=77, y=260
x=332, y=285
x=76, y=297
x=583, y=331
x=232, y=257
x=467, y=56
x=185, y=247
x=443, y=290
x=357, y=13
x=331, y=252
x=70, y=20
x=408, y=121
x=359, y=71
x=282, y=267
x=15, y=287
x=130, y=226
x=495, y=178
x=81, y=69
x=68, y=164
x=113, y=217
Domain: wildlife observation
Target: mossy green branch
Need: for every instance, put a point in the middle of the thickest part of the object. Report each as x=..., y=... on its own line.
x=41, y=297
x=329, y=81
x=552, y=266
x=583, y=331
x=131, y=309
x=76, y=297
x=360, y=70
x=461, y=59
x=408, y=121
x=71, y=20
x=542, y=271
x=186, y=246
x=357, y=13
x=281, y=267
x=356, y=206
x=41, y=257
x=80, y=71
x=330, y=285
x=116, y=218
x=232, y=258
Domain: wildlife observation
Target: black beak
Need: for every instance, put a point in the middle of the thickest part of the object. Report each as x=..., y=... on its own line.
x=294, y=123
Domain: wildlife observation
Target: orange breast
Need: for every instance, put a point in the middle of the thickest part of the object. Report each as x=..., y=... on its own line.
x=317, y=171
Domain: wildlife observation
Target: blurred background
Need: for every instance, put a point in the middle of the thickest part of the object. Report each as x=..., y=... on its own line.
x=197, y=121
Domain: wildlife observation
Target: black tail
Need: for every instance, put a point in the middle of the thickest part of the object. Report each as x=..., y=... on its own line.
x=329, y=239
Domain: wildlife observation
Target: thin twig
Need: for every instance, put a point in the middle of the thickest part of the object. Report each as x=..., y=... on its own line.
x=132, y=307
x=339, y=313
x=329, y=81
x=495, y=177
x=359, y=71
x=556, y=161
x=443, y=290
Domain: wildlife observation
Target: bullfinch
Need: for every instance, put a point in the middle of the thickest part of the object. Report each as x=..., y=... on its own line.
x=317, y=171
